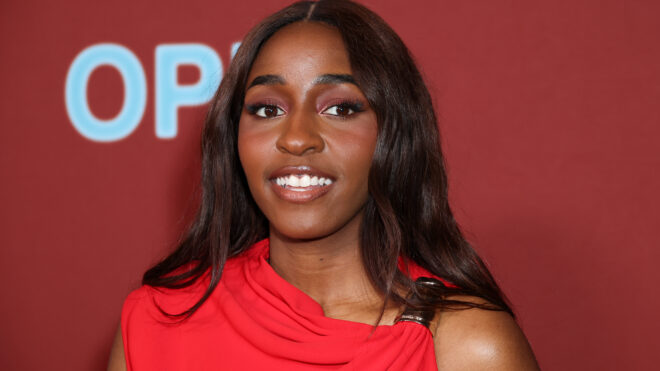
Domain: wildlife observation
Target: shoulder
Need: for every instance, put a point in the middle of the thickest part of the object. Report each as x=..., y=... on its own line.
x=480, y=339
x=153, y=302
x=136, y=300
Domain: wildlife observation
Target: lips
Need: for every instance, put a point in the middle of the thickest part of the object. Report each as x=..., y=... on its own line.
x=300, y=184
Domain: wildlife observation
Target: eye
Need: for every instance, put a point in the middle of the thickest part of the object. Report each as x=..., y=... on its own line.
x=268, y=111
x=344, y=109
x=339, y=110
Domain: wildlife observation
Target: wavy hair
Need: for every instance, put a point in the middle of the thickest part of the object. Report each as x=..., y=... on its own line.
x=407, y=213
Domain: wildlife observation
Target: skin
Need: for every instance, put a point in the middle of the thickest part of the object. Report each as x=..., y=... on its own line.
x=314, y=245
x=117, y=360
x=295, y=120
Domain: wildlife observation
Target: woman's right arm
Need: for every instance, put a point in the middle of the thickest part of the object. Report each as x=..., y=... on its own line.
x=117, y=360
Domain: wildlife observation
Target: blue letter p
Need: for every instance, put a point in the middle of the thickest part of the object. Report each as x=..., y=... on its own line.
x=170, y=95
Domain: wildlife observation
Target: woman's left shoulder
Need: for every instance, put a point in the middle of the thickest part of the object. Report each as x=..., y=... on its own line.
x=475, y=339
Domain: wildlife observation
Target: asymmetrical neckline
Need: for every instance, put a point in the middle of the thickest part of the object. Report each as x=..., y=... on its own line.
x=255, y=319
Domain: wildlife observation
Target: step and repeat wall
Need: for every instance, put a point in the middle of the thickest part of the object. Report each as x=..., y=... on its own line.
x=550, y=125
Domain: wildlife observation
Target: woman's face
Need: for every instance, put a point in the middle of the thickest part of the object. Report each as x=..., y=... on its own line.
x=307, y=134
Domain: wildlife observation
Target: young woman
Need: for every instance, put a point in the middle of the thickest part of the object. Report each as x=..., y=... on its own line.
x=324, y=239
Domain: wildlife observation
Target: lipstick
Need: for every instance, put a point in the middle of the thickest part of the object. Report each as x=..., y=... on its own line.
x=300, y=184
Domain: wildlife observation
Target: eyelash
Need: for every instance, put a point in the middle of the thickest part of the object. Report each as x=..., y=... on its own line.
x=254, y=108
x=354, y=105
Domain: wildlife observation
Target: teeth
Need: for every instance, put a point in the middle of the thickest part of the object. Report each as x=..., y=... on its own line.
x=292, y=181
x=302, y=181
x=325, y=181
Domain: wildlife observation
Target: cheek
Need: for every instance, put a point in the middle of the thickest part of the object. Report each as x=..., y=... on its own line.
x=357, y=148
x=252, y=151
x=252, y=159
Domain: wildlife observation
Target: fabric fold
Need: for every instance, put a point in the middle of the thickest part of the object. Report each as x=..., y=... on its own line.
x=256, y=320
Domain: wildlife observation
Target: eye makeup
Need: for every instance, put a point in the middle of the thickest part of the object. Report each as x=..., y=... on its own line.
x=344, y=109
x=253, y=107
x=341, y=105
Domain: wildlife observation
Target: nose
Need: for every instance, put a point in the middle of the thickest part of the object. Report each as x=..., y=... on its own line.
x=300, y=135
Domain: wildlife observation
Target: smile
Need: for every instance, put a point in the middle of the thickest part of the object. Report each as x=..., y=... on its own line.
x=300, y=184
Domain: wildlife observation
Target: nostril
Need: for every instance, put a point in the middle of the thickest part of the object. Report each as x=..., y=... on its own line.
x=300, y=139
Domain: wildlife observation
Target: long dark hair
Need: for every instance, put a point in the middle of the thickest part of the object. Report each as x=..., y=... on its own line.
x=407, y=213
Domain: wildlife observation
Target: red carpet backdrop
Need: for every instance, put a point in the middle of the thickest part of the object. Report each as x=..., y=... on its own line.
x=550, y=122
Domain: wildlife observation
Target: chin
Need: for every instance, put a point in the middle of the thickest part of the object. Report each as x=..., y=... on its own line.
x=299, y=232
x=314, y=226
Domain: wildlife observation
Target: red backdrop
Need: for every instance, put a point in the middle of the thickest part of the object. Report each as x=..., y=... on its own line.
x=549, y=115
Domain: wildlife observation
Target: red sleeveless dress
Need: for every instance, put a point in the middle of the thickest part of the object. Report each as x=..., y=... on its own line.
x=255, y=320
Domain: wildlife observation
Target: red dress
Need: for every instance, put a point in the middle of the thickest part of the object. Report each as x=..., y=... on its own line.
x=255, y=320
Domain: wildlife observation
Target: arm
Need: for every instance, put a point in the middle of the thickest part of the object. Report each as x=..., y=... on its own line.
x=117, y=360
x=478, y=339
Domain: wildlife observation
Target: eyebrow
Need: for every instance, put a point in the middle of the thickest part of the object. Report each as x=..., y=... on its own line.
x=328, y=78
x=335, y=79
x=266, y=80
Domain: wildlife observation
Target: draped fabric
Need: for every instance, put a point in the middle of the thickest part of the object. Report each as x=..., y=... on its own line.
x=255, y=320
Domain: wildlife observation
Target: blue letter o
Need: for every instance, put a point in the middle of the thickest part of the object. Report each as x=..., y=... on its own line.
x=135, y=92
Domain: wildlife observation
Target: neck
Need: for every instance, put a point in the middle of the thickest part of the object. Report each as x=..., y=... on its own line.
x=330, y=271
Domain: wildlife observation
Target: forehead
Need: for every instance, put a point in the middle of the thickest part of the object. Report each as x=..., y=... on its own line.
x=302, y=48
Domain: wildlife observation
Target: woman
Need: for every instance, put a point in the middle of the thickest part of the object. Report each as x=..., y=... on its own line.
x=324, y=239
